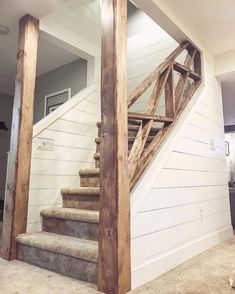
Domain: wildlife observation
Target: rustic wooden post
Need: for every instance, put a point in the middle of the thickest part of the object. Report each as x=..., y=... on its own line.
x=17, y=192
x=114, y=274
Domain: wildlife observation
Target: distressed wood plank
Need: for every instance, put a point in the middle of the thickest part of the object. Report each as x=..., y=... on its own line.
x=157, y=92
x=169, y=94
x=180, y=88
x=114, y=271
x=17, y=192
x=144, y=116
x=160, y=138
x=183, y=69
x=189, y=61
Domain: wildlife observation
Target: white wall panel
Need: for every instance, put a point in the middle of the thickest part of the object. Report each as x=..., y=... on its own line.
x=180, y=207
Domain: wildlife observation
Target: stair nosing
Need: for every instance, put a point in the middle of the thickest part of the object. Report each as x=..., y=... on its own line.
x=79, y=215
x=89, y=171
x=86, y=191
x=75, y=247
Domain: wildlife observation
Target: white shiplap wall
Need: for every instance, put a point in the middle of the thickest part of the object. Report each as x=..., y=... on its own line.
x=73, y=131
x=145, y=52
x=180, y=207
x=73, y=125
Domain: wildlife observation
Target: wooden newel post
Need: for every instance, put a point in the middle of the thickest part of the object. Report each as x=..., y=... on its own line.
x=114, y=274
x=17, y=192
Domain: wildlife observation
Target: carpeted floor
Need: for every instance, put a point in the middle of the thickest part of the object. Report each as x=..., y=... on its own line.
x=206, y=273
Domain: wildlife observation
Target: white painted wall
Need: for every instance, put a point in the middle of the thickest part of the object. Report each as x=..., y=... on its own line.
x=180, y=207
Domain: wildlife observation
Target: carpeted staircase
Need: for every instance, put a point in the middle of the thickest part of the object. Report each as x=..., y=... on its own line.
x=68, y=243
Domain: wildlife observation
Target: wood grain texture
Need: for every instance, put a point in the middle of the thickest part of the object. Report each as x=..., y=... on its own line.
x=143, y=116
x=16, y=206
x=170, y=94
x=176, y=99
x=114, y=271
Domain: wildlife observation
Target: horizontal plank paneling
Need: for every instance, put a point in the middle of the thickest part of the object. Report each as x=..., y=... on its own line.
x=191, y=146
x=67, y=168
x=162, y=242
x=202, y=135
x=158, y=220
x=195, y=162
x=71, y=127
x=53, y=181
x=45, y=197
x=172, y=197
x=189, y=178
x=81, y=117
x=65, y=153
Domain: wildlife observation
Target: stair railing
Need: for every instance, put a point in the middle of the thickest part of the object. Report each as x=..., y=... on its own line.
x=177, y=95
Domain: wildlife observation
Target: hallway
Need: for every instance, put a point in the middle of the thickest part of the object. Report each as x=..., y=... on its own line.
x=206, y=273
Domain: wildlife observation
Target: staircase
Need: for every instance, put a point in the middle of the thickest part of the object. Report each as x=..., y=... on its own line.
x=68, y=243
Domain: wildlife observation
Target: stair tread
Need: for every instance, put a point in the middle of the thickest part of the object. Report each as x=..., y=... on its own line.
x=61, y=244
x=88, y=171
x=91, y=191
x=130, y=139
x=74, y=214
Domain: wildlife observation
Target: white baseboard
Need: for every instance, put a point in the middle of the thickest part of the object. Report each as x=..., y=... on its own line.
x=162, y=264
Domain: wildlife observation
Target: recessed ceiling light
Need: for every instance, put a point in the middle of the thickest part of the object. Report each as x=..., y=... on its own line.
x=4, y=30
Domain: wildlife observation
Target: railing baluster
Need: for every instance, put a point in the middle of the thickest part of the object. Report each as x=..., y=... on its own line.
x=176, y=99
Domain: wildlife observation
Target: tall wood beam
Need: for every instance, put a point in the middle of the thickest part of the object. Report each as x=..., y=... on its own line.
x=114, y=274
x=17, y=192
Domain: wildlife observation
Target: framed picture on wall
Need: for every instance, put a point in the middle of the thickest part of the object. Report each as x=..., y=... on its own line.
x=227, y=151
x=55, y=100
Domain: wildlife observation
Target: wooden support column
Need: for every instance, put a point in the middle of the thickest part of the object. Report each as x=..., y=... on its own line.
x=114, y=273
x=17, y=192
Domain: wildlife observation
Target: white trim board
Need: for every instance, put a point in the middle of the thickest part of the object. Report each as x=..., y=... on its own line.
x=165, y=262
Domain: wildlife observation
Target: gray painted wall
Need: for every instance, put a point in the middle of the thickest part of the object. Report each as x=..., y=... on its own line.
x=6, y=103
x=138, y=21
x=72, y=75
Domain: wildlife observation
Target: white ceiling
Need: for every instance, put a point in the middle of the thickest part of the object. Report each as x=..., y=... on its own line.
x=49, y=55
x=212, y=21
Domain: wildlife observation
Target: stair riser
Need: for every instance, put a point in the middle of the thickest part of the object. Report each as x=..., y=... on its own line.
x=66, y=265
x=81, y=202
x=90, y=181
x=82, y=230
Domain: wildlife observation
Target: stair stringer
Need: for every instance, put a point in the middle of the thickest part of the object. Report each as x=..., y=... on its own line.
x=147, y=261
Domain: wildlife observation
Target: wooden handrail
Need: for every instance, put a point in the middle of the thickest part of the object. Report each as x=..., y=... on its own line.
x=176, y=97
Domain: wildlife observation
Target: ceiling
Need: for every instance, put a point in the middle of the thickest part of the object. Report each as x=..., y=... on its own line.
x=212, y=21
x=10, y=13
